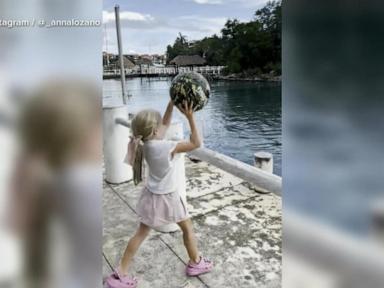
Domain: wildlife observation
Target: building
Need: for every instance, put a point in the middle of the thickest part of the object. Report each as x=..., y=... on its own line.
x=114, y=62
x=133, y=63
x=159, y=59
x=144, y=62
x=188, y=61
x=108, y=58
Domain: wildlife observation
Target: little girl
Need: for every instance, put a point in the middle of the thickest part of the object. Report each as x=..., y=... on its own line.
x=160, y=202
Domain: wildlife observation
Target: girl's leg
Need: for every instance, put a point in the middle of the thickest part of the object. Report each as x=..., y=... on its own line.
x=132, y=247
x=190, y=241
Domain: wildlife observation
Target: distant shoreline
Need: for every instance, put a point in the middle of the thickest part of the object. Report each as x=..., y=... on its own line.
x=238, y=78
x=263, y=78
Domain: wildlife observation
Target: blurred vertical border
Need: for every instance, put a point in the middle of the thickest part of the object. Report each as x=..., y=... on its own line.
x=50, y=139
x=333, y=160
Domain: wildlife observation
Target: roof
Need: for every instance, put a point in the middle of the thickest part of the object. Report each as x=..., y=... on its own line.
x=143, y=61
x=128, y=63
x=188, y=60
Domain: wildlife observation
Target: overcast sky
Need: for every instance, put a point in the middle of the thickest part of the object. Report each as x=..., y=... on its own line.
x=148, y=26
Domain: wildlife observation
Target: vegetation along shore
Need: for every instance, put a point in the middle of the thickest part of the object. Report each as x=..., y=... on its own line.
x=250, y=51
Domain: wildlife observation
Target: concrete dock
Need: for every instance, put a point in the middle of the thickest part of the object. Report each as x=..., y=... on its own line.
x=237, y=227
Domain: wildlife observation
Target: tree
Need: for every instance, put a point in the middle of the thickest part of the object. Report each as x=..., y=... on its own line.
x=270, y=17
x=180, y=47
x=253, y=47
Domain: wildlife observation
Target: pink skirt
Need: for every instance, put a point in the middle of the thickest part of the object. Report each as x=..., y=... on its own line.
x=160, y=209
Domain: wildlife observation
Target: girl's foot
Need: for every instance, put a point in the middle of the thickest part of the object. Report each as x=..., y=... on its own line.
x=115, y=280
x=203, y=266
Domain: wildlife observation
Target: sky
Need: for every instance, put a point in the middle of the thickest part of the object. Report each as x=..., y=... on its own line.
x=148, y=26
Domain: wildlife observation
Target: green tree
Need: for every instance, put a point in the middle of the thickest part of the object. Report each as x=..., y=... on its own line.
x=271, y=19
x=180, y=47
x=253, y=47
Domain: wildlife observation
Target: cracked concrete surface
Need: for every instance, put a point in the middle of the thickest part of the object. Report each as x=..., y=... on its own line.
x=237, y=227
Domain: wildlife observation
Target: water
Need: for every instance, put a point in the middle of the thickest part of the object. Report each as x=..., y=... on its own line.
x=240, y=118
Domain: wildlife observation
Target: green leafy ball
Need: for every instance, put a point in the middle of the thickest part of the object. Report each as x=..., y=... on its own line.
x=191, y=87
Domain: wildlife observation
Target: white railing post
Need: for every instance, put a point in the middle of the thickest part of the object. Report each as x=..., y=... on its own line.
x=115, y=142
x=262, y=180
x=175, y=132
x=264, y=161
x=377, y=219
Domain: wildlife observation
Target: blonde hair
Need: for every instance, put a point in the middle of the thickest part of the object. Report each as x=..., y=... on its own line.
x=143, y=126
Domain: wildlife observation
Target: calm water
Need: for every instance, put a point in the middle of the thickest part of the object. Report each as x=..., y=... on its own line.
x=240, y=118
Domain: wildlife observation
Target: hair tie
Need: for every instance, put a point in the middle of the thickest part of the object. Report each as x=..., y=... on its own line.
x=134, y=142
x=139, y=140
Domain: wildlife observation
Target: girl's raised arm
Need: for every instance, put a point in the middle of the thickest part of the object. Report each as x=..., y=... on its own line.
x=195, y=141
x=168, y=114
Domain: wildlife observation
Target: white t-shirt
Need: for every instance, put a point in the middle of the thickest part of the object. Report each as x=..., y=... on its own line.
x=161, y=177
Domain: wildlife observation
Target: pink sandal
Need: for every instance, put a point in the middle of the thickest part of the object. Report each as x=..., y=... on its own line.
x=195, y=269
x=116, y=281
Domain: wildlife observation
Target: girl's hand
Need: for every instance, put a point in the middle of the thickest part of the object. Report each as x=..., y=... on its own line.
x=186, y=109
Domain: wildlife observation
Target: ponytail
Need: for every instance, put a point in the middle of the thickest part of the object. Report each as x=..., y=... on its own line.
x=137, y=166
x=143, y=126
